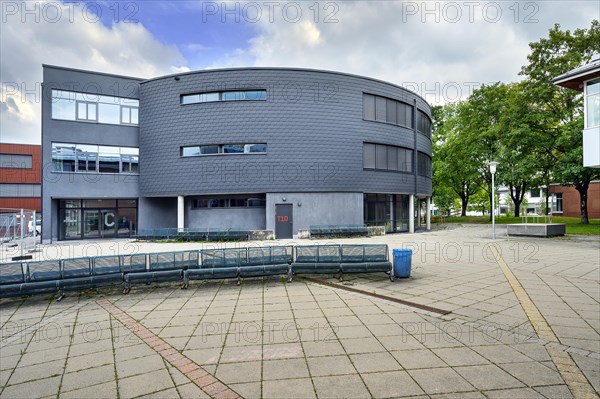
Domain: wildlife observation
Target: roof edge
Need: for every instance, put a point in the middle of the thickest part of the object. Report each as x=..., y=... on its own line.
x=285, y=69
x=94, y=72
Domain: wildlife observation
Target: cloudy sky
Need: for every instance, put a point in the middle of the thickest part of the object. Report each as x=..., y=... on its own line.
x=440, y=49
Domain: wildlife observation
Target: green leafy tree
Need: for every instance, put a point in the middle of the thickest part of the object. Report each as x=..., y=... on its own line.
x=557, y=111
x=455, y=169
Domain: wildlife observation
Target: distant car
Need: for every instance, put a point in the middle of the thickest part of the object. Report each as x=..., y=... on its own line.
x=38, y=227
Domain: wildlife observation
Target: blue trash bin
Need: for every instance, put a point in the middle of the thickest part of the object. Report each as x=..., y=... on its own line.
x=402, y=262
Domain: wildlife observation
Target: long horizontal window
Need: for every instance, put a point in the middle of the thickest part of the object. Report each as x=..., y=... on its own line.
x=251, y=201
x=387, y=157
x=16, y=161
x=16, y=190
x=73, y=106
x=424, y=168
x=94, y=159
x=212, y=149
x=382, y=109
x=239, y=95
x=423, y=123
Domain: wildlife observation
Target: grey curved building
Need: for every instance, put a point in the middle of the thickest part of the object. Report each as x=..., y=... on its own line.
x=257, y=148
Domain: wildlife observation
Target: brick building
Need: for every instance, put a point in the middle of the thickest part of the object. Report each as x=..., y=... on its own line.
x=20, y=176
x=565, y=200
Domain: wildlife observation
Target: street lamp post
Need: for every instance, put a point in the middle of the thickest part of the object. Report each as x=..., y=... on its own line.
x=492, y=165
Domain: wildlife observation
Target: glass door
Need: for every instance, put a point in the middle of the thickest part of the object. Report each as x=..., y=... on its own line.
x=91, y=226
x=108, y=223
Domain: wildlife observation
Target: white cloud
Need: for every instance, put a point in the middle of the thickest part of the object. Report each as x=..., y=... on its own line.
x=440, y=48
x=72, y=41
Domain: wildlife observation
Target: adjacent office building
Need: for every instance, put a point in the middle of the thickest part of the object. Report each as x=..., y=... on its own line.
x=20, y=177
x=586, y=79
x=255, y=148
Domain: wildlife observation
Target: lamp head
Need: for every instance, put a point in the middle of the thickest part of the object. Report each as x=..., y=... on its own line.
x=492, y=165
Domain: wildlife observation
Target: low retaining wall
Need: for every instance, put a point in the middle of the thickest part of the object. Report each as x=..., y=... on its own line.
x=537, y=229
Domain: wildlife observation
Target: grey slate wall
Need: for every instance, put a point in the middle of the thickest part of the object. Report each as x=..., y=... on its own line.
x=312, y=122
x=318, y=208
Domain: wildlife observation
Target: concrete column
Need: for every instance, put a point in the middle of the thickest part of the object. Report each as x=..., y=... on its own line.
x=428, y=217
x=411, y=213
x=180, y=212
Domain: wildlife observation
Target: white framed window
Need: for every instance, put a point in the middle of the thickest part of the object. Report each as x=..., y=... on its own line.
x=87, y=111
x=129, y=115
x=592, y=103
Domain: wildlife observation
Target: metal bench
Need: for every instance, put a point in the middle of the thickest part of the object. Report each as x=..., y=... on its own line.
x=162, y=267
x=266, y=261
x=12, y=278
x=366, y=259
x=215, y=264
x=316, y=259
x=340, y=230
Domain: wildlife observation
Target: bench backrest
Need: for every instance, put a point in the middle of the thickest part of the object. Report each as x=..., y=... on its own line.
x=76, y=267
x=12, y=273
x=111, y=264
x=134, y=263
x=187, y=259
x=364, y=253
x=214, y=258
x=318, y=253
x=46, y=270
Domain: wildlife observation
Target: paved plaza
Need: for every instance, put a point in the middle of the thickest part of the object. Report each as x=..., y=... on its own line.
x=522, y=321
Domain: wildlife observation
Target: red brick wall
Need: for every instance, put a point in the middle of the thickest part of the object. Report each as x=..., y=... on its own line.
x=32, y=176
x=23, y=176
x=571, y=200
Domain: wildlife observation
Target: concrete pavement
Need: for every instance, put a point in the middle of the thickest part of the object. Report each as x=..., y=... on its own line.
x=524, y=322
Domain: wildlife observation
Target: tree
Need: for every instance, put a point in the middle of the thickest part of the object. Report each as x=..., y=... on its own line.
x=481, y=118
x=455, y=163
x=556, y=110
x=520, y=146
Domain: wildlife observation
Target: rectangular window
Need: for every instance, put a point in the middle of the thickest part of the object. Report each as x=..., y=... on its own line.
x=109, y=159
x=592, y=104
x=86, y=111
x=16, y=161
x=405, y=160
x=255, y=148
x=237, y=95
x=86, y=158
x=383, y=109
x=535, y=193
x=193, y=151
x=129, y=115
x=190, y=151
x=380, y=109
x=381, y=156
x=253, y=201
x=392, y=158
x=233, y=149
x=391, y=112
x=74, y=106
x=63, y=157
x=423, y=123
x=369, y=156
x=558, y=202
x=387, y=157
x=424, y=167
x=11, y=190
x=368, y=107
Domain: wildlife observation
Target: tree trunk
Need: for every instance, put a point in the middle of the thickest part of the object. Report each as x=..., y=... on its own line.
x=547, y=200
x=583, y=196
x=464, y=202
x=517, y=207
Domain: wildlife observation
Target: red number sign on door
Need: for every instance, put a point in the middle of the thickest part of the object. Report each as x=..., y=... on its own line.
x=282, y=218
